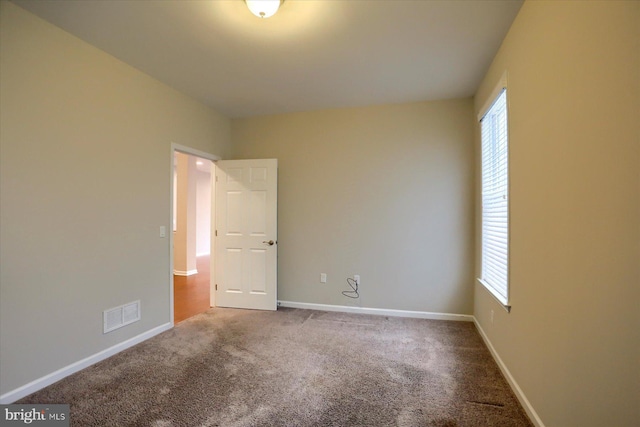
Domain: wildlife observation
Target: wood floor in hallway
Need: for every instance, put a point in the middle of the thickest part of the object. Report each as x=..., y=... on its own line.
x=191, y=293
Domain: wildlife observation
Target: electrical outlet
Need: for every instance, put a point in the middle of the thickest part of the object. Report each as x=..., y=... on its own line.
x=491, y=316
x=356, y=277
x=323, y=277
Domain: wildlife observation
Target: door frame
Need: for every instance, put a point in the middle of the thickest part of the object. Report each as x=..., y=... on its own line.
x=214, y=158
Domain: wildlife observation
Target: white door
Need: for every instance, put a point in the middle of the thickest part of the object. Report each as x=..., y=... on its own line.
x=246, y=228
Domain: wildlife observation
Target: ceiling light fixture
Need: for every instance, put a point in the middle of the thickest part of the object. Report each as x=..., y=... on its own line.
x=263, y=8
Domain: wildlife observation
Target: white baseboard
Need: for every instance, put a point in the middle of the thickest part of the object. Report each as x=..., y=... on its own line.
x=533, y=415
x=378, y=311
x=61, y=373
x=185, y=273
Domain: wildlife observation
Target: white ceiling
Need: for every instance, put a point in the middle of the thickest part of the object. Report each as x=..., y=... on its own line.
x=311, y=55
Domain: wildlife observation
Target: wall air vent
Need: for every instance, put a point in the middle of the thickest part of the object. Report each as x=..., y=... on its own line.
x=120, y=316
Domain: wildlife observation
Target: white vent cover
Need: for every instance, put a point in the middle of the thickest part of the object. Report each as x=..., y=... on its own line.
x=123, y=315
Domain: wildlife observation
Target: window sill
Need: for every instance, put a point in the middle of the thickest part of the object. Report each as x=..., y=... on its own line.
x=496, y=296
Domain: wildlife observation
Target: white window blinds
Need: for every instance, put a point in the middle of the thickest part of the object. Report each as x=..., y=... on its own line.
x=495, y=203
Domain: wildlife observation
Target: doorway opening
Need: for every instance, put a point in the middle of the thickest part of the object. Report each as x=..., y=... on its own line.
x=192, y=243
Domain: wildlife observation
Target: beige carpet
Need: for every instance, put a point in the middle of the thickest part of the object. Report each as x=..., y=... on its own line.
x=295, y=367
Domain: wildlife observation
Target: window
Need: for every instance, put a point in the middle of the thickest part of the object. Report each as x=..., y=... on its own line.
x=494, y=270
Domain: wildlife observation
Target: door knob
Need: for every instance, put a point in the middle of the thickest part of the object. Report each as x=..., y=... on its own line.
x=270, y=242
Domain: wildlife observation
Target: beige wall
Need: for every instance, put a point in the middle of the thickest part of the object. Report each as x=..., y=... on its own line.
x=572, y=339
x=85, y=155
x=385, y=192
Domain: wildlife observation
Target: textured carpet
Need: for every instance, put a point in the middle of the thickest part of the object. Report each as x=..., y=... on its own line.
x=295, y=367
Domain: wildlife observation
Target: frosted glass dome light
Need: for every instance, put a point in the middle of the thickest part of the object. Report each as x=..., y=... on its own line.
x=263, y=8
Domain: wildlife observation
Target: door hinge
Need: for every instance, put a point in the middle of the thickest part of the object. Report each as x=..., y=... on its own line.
x=216, y=178
x=216, y=286
x=216, y=233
